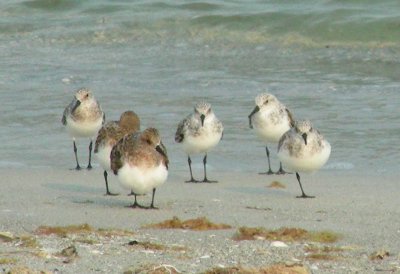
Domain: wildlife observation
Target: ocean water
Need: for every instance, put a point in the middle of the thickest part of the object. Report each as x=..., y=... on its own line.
x=334, y=62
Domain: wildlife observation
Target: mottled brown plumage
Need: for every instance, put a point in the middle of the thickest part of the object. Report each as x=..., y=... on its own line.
x=109, y=135
x=113, y=131
x=139, y=149
x=141, y=163
x=83, y=108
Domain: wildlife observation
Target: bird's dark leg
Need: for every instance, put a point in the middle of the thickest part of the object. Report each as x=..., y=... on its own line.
x=269, y=172
x=303, y=195
x=107, y=190
x=78, y=167
x=205, y=180
x=152, y=200
x=135, y=204
x=281, y=171
x=192, y=180
x=90, y=155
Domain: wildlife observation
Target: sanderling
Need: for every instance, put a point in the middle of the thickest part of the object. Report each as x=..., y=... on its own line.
x=303, y=149
x=109, y=135
x=198, y=133
x=83, y=117
x=270, y=119
x=141, y=163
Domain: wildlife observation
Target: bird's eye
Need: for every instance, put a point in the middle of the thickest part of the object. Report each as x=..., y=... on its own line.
x=266, y=102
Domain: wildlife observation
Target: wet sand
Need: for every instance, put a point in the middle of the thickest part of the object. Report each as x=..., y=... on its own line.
x=365, y=211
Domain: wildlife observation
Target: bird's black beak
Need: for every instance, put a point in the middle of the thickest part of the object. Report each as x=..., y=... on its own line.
x=202, y=117
x=161, y=151
x=255, y=110
x=304, y=135
x=77, y=104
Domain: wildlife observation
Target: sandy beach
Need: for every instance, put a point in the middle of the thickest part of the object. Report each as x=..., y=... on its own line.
x=335, y=63
x=364, y=211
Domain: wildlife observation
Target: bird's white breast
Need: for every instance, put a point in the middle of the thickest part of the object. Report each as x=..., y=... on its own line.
x=103, y=156
x=269, y=125
x=142, y=180
x=83, y=128
x=306, y=161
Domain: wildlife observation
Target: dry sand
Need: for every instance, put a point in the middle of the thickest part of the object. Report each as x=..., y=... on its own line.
x=365, y=211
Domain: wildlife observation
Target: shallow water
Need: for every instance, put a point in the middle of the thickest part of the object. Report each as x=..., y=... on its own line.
x=334, y=62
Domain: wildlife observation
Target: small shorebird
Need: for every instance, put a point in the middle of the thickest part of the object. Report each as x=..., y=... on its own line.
x=83, y=117
x=270, y=119
x=109, y=135
x=303, y=149
x=199, y=132
x=141, y=163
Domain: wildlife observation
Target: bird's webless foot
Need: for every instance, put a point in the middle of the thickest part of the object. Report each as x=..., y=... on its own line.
x=208, y=181
x=269, y=172
x=136, y=205
x=192, y=181
x=305, y=196
x=282, y=172
x=108, y=193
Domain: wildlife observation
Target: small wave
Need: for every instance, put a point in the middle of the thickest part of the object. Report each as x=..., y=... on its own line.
x=52, y=5
x=105, y=9
x=339, y=166
x=326, y=25
x=200, y=6
x=196, y=6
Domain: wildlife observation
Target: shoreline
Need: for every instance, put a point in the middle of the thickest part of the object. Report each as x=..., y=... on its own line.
x=363, y=210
